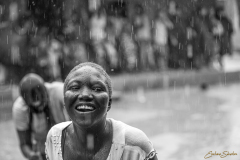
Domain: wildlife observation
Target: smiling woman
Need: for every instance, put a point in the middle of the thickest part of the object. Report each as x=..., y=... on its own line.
x=90, y=134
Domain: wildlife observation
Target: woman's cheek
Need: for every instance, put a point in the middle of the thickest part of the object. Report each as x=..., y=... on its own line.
x=69, y=98
x=103, y=98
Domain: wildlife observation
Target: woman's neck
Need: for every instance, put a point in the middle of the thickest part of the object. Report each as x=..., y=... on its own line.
x=91, y=138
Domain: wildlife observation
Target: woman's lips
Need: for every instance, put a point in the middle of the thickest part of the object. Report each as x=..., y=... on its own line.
x=85, y=108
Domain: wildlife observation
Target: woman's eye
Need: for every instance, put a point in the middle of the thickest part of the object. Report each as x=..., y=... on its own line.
x=97, y=89
x=74, y=87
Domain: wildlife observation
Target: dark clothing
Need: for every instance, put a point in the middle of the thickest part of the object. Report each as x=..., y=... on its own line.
x=225, y=40
x=202, y=41
x=177, y=43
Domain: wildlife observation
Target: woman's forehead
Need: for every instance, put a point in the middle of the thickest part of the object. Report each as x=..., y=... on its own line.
x=87, y=72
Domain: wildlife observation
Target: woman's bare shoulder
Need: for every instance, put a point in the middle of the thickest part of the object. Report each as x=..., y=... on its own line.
x=57, y=129
x=135, y=137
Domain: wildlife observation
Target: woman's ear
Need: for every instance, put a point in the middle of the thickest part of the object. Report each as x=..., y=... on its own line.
x=109, y=104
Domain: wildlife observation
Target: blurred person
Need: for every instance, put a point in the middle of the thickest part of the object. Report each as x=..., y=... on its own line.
x=177, y=38
x=191, y=37
x=226, y=38
x=54, y=51
x=76, y=20
x=35, y=111
x=112, y=29
x=217, y=31
x=98, y=22
x=77, y=44
x=200, y=38
x=106, y=55
x=112, y=56
x=71, y=28
x=115, y=25
x=207, y=44
x=160, y=39
x=90, y=134
x=172, y=7
x=202, y=28
x=142, y=28
x=128, y=48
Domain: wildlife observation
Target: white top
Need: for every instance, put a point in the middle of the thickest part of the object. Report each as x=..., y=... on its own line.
x=128, y=142
x=144, y=30
x=161, y=33
x=97, y=27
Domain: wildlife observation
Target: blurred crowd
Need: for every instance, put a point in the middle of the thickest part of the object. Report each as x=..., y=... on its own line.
x=168, y=40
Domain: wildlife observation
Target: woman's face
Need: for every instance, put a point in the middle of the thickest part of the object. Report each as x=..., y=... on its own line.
x=86, y=96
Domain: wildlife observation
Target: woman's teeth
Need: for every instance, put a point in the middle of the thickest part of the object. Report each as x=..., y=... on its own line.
x=85, y=108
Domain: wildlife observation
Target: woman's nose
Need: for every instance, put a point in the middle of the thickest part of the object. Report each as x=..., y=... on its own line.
x=85, y=94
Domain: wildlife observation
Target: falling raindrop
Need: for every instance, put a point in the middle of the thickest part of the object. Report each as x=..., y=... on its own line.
x=90, y=141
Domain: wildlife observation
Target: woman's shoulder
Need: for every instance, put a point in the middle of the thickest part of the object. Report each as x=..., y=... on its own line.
x=136, y=137
x=133, y=136
x=57, y=129
x=53, y=141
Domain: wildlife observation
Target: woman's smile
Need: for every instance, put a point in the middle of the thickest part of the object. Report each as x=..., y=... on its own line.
x=85, y=108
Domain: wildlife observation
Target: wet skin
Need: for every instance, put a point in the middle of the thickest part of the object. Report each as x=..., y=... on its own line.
x=87, y=87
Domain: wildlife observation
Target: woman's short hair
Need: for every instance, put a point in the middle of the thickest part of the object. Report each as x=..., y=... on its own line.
x=97, y=67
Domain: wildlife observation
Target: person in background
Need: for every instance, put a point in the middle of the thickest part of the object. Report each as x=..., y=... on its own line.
x=226, y=36
x=201, y=41
x=90, y=134
x=115, y=25
x=177, y=37
x=98, y=23
x=128, y=48
x=160, y=39
x=217, y=32
x=35, y=111
x=54, y=52
x=142, y=28
x=207, y=46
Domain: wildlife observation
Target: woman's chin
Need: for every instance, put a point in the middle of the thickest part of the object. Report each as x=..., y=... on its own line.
x=84, y=120
x=87, y=121
x=84, y=123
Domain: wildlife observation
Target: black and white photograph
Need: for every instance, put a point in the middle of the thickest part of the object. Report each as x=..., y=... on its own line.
x=119, y=79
